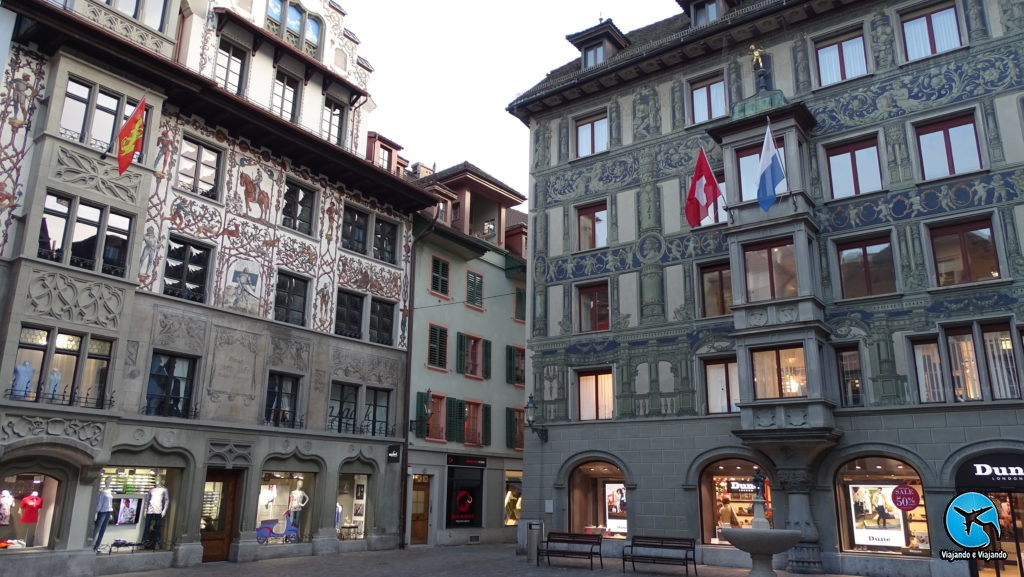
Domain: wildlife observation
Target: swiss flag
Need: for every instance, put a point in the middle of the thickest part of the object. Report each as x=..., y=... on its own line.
x=703, y=191
x=129, y=138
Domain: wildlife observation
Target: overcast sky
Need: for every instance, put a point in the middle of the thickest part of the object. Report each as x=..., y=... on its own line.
x=444, y=70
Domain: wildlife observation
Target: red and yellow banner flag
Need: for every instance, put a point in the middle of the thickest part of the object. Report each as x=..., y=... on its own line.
x=129, y=138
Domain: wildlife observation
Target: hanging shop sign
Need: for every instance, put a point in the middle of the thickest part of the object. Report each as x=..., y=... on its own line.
x=394, y=453
x=994, y=470
x=742, y=487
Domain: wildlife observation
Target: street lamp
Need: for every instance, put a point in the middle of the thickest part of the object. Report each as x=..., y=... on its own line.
x=531, y=416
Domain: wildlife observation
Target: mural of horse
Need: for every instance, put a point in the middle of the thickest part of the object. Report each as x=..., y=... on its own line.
x=253, y=192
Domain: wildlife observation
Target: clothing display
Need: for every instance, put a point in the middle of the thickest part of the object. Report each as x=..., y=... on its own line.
x=30, y=507
x=6, y=502
x=54, y=383
x=159, y=499
x=22, y=381
x=296, y=501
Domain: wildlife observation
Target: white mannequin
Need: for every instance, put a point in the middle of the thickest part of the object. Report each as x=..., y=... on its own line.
x=297, y=499
x=55, y=378
x=6, y=502
x=22, y=380
x=104, y=507
x=268, y=495
x=159, y=499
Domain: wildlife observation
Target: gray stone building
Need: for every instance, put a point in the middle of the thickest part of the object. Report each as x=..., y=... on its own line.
x=851, y=333
x=207, y=353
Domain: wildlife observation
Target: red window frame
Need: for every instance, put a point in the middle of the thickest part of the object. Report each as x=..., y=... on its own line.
x=945, y=126
x=960, y=229
x=594, y=290
x=473, y=424
x=706, y=85
x=839, y=40
x=718, y=269
x=928, y=14
x=755, y=150
x=778, y=370
x=591, y=210
x=767, y=246
x=474, y=356
x=852, y=148
x=862, y=244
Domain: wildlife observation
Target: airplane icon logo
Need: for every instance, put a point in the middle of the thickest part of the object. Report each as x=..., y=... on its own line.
x=965, y=512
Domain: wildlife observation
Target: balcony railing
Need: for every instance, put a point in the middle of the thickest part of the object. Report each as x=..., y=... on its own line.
x=90, y=400
x=365, y=429
x=284, y=419
x=170, y=406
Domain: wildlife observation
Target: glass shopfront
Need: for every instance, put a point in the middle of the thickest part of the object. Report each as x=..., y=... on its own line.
x=141, y=503
x=881, y=507
x=351, y=508
x=727, y=494
x=597, y=500
x=513, y=500
x=282, y=507
x=1000, y=477
x=27, y=510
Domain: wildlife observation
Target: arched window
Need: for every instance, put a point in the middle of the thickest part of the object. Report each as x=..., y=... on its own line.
x=727, y=493
x=881, y=507
x=295, y=25
x=597, y=500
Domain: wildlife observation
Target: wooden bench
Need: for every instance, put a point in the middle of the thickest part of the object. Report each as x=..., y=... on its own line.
x=670, y=550
x=574, y=545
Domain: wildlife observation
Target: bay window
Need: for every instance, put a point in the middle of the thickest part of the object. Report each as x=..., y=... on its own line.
x=964, y=253
x=770, y=270
x=779, y=373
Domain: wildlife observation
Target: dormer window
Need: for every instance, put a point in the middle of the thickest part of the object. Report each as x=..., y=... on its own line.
x=384, y=160
x=704, y=13
x=300, y=28
x=593, y=55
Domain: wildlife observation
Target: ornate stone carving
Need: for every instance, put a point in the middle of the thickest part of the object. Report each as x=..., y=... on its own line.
x=22, y=426
x=542, y=146
x=787, y=314
x=290, y=353
x=118, y=24
x=764, y=418
x=882, y=42
x=81, y=301
x=793, y=480
x=801, y=66
x=1013, y=14
x=131, y=361
x=364, y=368
x=758, y=317
x=678, y=104
x=796, y=417
x=229, y=454
x=91, y=174
x=185, y=332
x=646, y=114
x=614, y=124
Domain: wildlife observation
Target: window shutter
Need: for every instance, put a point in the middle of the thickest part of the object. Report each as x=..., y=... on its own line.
x=439, y=276
x=474, y=289
x=452, y=427
x=437, y=350
x=510, y=364
x=510, y=427
x=421, y=415
x=460, y=353
x=487, y=359
x=487, y=425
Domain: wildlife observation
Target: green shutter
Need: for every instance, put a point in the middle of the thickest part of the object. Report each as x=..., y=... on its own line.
x=421, y=415
x=520, y=311
x=510, y=364
x=487, y=359
x=474, y=289
x=460, y=353
x=437, y=349
x=510, y=427
x=487, y=425
x=439, y=276
x=455, y=419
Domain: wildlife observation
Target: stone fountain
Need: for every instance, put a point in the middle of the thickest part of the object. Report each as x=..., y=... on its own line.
x=761, y=541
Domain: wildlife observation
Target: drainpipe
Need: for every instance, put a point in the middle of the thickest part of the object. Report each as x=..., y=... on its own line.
x=402, y=508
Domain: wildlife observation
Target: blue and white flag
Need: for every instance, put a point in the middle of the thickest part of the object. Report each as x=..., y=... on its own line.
x=770, y=172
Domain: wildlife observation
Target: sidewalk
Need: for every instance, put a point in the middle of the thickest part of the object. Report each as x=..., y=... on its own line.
x=463, y=561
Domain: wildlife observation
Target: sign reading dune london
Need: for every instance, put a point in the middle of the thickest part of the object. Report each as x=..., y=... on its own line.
x=996, y=470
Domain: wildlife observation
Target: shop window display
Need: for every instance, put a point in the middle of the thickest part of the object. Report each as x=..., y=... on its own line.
x=871, y=519
x=513, y=501
x=597, y=500
x=281, y=508
x=27, y=511
x=350, y=514
x=727, y=493
x=134, y=507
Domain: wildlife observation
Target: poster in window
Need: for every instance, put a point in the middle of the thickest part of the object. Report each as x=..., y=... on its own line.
x=616, y=508
x=126, y=512
x=465, y=495
x=876, y=521
x=360, y=491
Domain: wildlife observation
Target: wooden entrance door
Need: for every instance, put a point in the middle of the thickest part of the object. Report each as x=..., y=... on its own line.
x=420, y=509
x=217, y=523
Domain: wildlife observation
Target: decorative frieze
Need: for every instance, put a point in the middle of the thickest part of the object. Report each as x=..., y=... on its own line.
x=67, y=298
x=23, y=426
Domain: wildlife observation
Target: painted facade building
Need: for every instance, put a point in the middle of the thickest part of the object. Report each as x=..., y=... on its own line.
x=468, y=359
x=858, y=334
x=207, y=352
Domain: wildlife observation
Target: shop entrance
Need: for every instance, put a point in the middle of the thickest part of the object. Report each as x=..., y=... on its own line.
x=1011, y=523
x=420, y=509
x=217, y=524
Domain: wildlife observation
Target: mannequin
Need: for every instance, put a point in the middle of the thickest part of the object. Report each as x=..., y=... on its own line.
x=268, y=494
x=296, y=501
x=54, y=383
x=30, y=507
x=6, y=502
x=156, y=507
x=104, y=507
x=22, y=381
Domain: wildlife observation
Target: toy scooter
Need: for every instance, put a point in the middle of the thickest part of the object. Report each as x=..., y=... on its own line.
x=266, y=530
